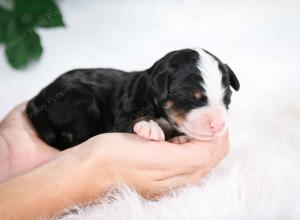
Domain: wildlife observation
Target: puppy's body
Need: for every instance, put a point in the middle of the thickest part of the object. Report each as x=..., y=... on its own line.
x=94, y=101
x=85, y=102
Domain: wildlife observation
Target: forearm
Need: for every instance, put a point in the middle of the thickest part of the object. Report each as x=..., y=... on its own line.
x=49, y=189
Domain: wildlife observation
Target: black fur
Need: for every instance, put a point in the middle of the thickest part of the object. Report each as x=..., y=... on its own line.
x=85, y=102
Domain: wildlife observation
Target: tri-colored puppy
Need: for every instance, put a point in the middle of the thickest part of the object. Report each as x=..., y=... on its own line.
x=184, y=95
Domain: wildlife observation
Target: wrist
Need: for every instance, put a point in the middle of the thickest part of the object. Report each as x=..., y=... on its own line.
x=94, y=175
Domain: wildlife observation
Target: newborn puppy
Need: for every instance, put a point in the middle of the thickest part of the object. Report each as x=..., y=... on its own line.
x=184, y=95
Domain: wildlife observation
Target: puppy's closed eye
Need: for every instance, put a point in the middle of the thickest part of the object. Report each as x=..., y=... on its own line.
x=194, y=94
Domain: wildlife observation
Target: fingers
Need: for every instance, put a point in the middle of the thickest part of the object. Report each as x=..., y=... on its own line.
x=155, y=168
x=191, y=158
x=161, y=188
x=165, y=186
x=184, y=156
x=168, y=157
x=221, y=150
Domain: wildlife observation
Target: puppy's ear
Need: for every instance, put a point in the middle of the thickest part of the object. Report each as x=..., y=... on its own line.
x=170, y=66
x=159, y=76
x=234, y=82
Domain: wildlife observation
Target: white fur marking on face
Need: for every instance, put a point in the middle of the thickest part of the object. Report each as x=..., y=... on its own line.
x=212, y=78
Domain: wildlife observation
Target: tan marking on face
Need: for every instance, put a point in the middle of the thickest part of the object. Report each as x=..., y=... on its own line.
x=178, y=116
x=168, y=104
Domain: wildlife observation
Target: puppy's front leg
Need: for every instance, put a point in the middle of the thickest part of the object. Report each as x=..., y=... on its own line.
x=149, y=130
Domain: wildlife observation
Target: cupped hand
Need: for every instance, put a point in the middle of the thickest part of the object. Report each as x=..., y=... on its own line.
x=150, y=167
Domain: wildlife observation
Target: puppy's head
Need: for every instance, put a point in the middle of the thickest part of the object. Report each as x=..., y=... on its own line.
x=194, y=88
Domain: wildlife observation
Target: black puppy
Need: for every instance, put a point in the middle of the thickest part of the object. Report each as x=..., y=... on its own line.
x=185, y=92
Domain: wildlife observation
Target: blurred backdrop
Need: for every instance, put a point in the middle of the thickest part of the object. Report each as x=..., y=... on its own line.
x=258, y=39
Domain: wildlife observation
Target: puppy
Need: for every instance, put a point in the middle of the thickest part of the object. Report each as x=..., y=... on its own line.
x=184, y=95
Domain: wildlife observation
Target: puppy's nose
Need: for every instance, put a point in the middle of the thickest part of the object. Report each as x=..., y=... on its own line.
x=216, y=125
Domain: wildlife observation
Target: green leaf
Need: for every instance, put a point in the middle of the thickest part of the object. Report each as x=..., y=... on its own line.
x=17, y=29
x=53, y=19
x=11, y=31
x=23, y=49
x=4, y=15
x=41, y=13
x=4, y=18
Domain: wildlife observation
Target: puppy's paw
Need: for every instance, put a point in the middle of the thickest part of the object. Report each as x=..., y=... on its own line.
x=149, y=130
x=179, y=139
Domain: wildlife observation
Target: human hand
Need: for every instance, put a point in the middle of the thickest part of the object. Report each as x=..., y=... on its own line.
x=152, y=168
x=20, y=147
x=81, y=174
